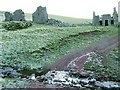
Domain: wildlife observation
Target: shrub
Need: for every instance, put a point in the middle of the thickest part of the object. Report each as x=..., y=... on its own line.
x=16, y=25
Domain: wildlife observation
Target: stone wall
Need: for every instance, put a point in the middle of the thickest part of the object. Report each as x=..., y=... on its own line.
x=8, y=16
x=40, y=15
x=95, y=20
x=106, y=17
x=115, y=17
x=59, y=23
x=18, y=15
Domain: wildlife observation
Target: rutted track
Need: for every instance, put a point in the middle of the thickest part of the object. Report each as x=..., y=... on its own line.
x=79, y=57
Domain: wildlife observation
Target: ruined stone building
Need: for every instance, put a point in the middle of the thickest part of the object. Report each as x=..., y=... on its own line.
x=18, y=15
x=105, y=19
x=8, y=16
x=40, y=15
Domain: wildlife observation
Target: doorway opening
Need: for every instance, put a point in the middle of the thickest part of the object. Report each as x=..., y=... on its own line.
x=106, y=22
x=112, y=22
x=100, y=23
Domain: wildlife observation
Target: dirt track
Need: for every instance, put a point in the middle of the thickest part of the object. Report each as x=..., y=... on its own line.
x=79, y=57
x=104, y=47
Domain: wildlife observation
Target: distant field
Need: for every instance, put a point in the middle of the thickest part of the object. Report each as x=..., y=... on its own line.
x=70, y=20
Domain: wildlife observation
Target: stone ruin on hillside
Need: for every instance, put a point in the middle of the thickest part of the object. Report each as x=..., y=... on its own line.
x=8, y=16
x=18, y=15
x=40, y=15
x=105, y=19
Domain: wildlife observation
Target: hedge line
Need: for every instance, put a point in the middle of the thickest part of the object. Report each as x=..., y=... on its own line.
x=16, y=25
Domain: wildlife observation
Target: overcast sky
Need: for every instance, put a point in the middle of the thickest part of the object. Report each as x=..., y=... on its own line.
x=72, y=8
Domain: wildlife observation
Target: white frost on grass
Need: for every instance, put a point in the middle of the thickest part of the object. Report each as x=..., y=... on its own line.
x=94, y=59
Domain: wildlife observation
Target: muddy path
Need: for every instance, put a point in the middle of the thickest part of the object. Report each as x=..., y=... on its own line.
x=78, y=57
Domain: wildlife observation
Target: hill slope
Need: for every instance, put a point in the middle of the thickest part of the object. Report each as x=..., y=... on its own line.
x=71, y=20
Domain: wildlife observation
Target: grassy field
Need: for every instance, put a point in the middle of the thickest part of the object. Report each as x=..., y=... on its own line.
x=42, y=45
x=112, y=63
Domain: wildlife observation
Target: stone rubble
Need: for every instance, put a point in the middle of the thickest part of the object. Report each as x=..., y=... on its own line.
x=63, y=78
x=59, y=23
